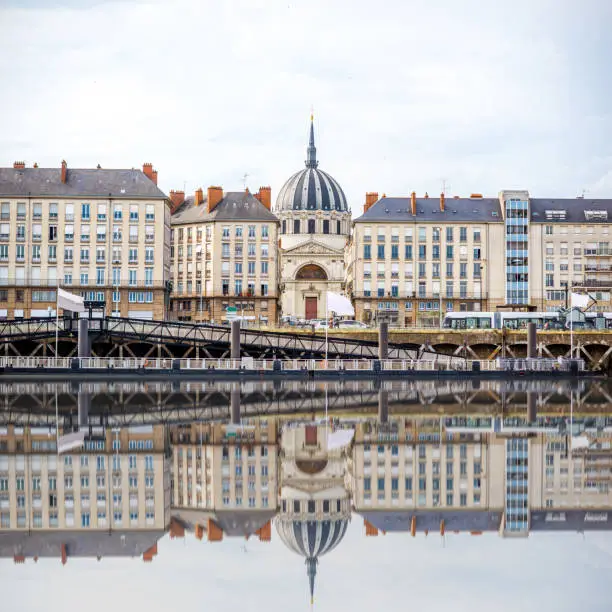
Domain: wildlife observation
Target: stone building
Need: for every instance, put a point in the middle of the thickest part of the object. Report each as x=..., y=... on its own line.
x=103, y=234
x=224, y=254
x=314, y=228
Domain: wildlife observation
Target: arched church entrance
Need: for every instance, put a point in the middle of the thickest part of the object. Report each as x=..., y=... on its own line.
x=313, y=274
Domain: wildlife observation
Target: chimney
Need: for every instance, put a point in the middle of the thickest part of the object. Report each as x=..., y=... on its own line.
x=64, y=171
x=426, y=196
x=456, y=197
x=199, y=197
x=176, y=530
x=215, y=533
x=64, y=554
x=413, y=203
x=476, y=195
x=149, y=172
x=215, y=195
x=371, y=198
x=199, y=532
x=148, y=555
x=441, y=202
x=265, y=532
x=264, y=195
x=18, y=559
x=35, y=165
x=19, y=165
x=176, y=199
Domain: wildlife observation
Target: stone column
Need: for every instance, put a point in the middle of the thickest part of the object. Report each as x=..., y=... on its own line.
x=235, y=340
x=84, y=344
x=531, y=341
x=383, y=340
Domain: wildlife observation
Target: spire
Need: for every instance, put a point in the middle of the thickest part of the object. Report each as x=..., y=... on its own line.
x=311, y=152
x=311, y=570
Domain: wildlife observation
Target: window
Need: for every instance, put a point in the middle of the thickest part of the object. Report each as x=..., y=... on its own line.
x=463, y=234
x=367, y=251
x=548, y=230
x=422, y=251
x=85, y=212
x=449, y=251
x=117, y=212
x=133, y=212
x=380, y=251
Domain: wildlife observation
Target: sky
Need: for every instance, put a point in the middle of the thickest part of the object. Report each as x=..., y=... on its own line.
x=561, y=572
x=475, y=96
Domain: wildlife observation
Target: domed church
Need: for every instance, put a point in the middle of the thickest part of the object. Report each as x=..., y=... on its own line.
x=315, y=224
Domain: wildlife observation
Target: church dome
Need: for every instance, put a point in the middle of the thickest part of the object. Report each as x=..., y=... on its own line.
x=311, y=188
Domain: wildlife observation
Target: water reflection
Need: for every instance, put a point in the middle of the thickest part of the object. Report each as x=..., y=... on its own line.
x=298, y=461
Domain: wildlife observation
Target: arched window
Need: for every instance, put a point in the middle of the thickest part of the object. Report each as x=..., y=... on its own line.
x=284, y=226
x=311, y=226
x=311, y=272
x=296, y=226
x=326, y=226
x=338, y=227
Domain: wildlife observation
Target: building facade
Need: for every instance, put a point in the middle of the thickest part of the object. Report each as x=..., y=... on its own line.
x=103, y=234
x=224, y=255
x=314, y=228
x=51, y=505
x=411, y=260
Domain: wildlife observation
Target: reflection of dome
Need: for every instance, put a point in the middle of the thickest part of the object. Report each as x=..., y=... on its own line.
x=311, y=538
x=311, y=188
x=312, y=528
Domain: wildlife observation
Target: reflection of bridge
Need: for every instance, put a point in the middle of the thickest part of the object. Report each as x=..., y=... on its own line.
x=114, y=337
x=135, y=403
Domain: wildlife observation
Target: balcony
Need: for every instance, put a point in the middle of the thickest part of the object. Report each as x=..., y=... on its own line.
x=101, y=237
x=4, y=237
x=36, y=237
x=85, y=237
x=67, y=238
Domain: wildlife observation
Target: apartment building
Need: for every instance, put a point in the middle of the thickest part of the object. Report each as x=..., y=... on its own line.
x=413, y=259
x=100, y=233
x=224, y=255
x=111, y=497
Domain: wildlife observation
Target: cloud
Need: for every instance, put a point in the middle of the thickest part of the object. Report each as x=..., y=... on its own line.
x=484, y=95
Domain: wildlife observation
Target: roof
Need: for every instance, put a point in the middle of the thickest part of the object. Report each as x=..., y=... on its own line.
x=103, y=183
x=571, y=520
x=311, y=189
x=235, y=206
x=467, y=520
x=232, y=522
x=83, y=543
x=469, y=210
x=574, y=210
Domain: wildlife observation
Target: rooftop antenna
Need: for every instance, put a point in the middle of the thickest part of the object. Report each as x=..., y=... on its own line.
x=244, y=180
x=444, y=186
x=582, y=193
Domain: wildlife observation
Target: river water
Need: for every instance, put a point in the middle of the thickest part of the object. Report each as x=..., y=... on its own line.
x=272, y=495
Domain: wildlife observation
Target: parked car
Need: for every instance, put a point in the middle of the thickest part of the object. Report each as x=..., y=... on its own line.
x=351, y=324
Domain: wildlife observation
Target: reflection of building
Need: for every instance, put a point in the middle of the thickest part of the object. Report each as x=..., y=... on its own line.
x=421, y=475
x=315, y=224
x=224, y=478
x=315, y=502
x=112, y=498
x=224, y=253
x=100, y=233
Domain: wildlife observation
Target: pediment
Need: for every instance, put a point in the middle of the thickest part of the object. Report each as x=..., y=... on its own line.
x=312, y=247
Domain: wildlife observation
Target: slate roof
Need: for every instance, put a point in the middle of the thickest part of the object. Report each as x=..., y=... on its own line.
x=390, y=209
x=235, y=206
x=232, y=522
x=573, y=520
x=85, y=543
x=46, y=182
x=400, y=520
x=574, y=208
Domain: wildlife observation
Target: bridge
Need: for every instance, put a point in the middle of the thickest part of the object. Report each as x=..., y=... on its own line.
x=148, y=403
x=116, y=337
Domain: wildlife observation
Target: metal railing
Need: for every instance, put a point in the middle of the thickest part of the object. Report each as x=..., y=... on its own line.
x=438, y=363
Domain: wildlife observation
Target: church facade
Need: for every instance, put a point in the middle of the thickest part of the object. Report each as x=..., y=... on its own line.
x=315, y=224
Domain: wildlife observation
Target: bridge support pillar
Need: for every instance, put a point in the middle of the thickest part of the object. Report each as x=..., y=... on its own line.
x=235, y=406
x=532, y=352
x=383, y=340
x=235, y=340
x=383, y=406
x=84, y=344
